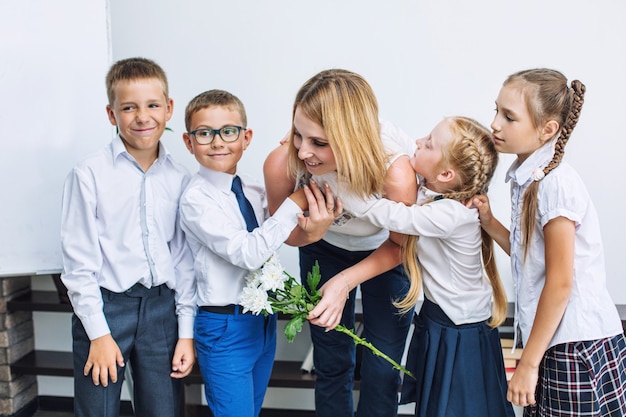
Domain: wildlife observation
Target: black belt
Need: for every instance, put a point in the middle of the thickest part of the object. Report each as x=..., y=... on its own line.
x=229, y=309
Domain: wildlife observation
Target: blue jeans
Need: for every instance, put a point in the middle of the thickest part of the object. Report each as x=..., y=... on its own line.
x=236, y=354
x=144, y=326
x=334, y=353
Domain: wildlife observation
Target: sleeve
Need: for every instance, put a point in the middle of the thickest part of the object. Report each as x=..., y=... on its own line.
x=185, y=287
x=82, y=258
x=212, y=223
x=562, y=195
x=437, y=219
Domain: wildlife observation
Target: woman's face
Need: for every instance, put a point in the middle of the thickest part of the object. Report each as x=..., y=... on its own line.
x=313, y=148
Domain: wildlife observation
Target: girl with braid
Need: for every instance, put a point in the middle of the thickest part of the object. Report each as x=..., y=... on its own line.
x=455, y=351
x=574, y=359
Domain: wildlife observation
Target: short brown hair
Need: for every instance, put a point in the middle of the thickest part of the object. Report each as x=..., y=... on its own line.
x=133, y=69
x=219, y=98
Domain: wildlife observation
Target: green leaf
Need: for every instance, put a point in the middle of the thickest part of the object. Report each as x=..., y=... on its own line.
x=293, y=327
x=296, y=292
x=313, y=278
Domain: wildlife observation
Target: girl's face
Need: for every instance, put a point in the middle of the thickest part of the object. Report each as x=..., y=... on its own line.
x=427, y=158
x=513, y=129
x=313, y=148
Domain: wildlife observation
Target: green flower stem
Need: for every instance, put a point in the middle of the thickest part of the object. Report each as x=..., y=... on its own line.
x=361, y=341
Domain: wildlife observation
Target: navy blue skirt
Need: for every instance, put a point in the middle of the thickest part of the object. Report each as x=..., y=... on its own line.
x=459, y=370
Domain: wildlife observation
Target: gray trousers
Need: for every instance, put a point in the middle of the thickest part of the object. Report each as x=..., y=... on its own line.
x=143, y=324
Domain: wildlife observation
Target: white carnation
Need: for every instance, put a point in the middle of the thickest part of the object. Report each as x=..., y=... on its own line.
x=255, y=300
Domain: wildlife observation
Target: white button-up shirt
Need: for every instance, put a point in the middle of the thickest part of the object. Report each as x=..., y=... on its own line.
x=120, y=227
x=590, y=313
x=448, y=249
x=224, y=251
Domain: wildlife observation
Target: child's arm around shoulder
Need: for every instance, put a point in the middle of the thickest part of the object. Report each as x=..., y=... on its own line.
x=401, y=186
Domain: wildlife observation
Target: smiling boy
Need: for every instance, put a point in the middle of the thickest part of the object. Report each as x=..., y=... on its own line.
x=126, y=265
x=235, y=349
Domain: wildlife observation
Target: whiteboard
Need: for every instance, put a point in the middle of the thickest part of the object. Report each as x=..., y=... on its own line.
x=52, y=113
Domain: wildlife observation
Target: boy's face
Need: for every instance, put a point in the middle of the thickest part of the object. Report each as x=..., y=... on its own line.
x=140, y=112
x=218, y=155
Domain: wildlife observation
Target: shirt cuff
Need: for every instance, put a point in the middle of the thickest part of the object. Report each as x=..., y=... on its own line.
x=185, y=327
x=287, y=214
x=95, y=326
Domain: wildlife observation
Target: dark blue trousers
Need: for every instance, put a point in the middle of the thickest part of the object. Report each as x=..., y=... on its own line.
x=143, y=323
x=334, y=352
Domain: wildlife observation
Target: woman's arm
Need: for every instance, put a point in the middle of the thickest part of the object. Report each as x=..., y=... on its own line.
x=559, y=254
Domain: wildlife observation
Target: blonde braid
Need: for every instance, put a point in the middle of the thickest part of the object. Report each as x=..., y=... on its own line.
x=473, y=155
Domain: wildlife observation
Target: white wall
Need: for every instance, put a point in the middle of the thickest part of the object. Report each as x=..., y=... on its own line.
x=424, y=59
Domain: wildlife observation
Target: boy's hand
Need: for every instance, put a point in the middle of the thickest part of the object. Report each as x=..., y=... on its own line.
x=184, y=358
x=322, y=210
x=104, y=358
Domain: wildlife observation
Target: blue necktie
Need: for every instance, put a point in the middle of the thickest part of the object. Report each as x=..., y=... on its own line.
x=244, y=205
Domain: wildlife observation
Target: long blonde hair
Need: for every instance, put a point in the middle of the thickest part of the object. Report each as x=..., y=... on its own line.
x=345, y=106
x=472, y=154
x=547, y=98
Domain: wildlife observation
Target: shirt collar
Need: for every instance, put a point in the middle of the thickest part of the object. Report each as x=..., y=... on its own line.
x=521, y=173
x=427, y=194
x=220, y=180
x=119, y=149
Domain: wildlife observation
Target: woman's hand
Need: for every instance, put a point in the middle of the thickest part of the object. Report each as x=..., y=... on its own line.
x=327, y=313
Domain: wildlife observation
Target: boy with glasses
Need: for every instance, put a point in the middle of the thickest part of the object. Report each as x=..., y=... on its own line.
x=224, y=215
x=126, y=265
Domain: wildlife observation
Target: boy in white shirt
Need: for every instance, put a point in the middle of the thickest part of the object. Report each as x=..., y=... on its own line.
x=235, y=350
x=127, y=268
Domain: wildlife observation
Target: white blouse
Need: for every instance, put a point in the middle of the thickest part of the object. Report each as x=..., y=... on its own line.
x=448, y=250
x=590, y=313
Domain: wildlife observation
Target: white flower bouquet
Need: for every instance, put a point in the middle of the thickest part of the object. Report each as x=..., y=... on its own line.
x=271, y=289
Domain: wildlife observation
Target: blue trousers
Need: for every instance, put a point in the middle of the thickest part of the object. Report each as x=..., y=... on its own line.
x=334, y=352
x=144, y=326
x=236, y=354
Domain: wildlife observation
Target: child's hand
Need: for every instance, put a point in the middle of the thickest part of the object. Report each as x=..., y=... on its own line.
x=522, y=386
x=104, y=358
x=481, y=202
x=184, y=358
x=322, y=211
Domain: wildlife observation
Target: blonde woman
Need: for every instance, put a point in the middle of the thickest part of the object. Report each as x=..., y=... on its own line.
x=338, y=139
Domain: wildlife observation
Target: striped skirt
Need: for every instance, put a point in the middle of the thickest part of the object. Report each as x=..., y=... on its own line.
x=582, y=379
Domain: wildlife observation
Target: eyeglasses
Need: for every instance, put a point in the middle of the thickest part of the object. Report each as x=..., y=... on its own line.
x=206, y=136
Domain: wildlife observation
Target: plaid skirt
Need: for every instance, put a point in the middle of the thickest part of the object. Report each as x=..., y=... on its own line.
x=582, y=379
